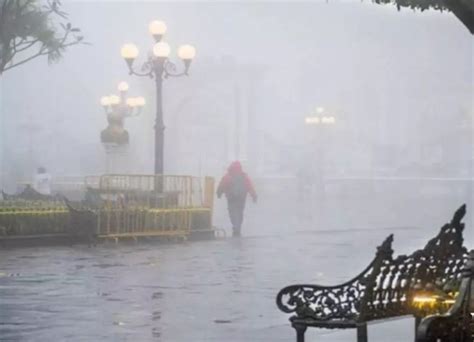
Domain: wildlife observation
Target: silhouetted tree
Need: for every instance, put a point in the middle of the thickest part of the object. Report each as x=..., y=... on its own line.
x=462, y=9
x=33, y=28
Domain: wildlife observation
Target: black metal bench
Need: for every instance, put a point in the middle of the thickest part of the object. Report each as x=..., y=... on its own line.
x=456, y=325
x=385, y=289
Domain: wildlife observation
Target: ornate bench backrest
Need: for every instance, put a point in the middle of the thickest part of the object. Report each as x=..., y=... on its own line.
x=340, y=302
x=386, y=287
x=438, y=266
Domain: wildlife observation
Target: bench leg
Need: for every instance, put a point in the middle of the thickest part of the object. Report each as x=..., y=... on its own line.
x=362, y=333
x=300, y=330
x=417, y=323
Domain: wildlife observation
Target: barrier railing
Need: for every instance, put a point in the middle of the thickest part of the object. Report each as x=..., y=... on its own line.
x=20, y=217
x=131, y=206
x=139, y=190
x=121, y=206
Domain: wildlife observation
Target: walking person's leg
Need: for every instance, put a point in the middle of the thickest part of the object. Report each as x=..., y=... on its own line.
x=239, y=213
x=233, y=215
x=236, y=208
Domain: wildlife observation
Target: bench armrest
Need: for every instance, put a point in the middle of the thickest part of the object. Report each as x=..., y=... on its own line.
x=456, y=323
x=321, y=302
x=344, y=301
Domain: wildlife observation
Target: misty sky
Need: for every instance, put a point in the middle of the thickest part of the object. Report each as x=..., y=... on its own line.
x=393, y=79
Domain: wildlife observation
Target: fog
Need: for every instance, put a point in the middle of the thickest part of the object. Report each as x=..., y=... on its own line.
x=399, y=84
x=397, y=158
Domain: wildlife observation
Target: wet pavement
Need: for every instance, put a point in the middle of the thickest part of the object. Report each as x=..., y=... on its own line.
x=222, y=290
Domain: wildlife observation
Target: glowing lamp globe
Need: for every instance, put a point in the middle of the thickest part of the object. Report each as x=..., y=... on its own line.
x=312, y=120
x=114, y=100
x=132, y=102
x=129, y=51
x=157, y=29
x=327, y=119
x=186, y=52
x=140, y=101
x=105, y=101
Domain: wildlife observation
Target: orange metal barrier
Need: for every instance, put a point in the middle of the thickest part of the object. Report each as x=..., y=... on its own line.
x=132, y=207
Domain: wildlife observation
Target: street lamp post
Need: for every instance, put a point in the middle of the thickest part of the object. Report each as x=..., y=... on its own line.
x=317, y=119
x=118, y=107
x=159, y=67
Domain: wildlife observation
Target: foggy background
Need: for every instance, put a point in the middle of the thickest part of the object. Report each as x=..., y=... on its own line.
x=397, y=160
x=399, y=84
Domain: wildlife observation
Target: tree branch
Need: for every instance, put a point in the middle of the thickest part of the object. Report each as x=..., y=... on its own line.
x=27, y=45
x=25, y=23
x=39, y=53
x=42, y=52
x=7, y=56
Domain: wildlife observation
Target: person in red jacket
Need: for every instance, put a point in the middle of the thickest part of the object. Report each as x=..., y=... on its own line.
x=236, y=185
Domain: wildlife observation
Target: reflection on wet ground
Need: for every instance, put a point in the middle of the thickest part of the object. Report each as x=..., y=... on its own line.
x=219, y=290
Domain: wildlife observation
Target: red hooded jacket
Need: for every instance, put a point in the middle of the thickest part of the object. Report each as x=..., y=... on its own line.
x=235, y=168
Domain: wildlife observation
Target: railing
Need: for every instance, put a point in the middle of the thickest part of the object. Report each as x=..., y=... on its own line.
x=139, y=190
x=131, y=206
x=117, y=205
x=21, y=217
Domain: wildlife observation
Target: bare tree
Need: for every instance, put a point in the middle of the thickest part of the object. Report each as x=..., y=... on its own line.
x=32, y=28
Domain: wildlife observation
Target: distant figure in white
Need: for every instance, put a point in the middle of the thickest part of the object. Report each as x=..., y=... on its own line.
x=42, y=181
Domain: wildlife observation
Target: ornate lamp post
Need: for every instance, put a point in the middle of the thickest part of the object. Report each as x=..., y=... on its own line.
x=158, y=67
x=115, y=137
x=117, y=108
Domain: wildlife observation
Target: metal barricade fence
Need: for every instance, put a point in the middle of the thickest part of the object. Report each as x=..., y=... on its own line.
x=174, y=191
x=132, y=207
x=21, y=217
x=127, y=205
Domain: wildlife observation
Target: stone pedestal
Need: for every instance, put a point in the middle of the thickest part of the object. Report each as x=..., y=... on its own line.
x=117, y=159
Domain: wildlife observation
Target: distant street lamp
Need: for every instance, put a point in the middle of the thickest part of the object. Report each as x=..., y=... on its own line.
x=117, y=108
x=159, y=67
x=319, y=117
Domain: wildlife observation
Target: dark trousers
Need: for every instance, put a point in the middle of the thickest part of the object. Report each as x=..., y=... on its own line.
x=236, y=207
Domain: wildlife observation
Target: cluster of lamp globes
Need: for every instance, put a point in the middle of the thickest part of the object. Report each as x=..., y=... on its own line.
x=318, y=118
x=161, y=49
x=112, y=102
